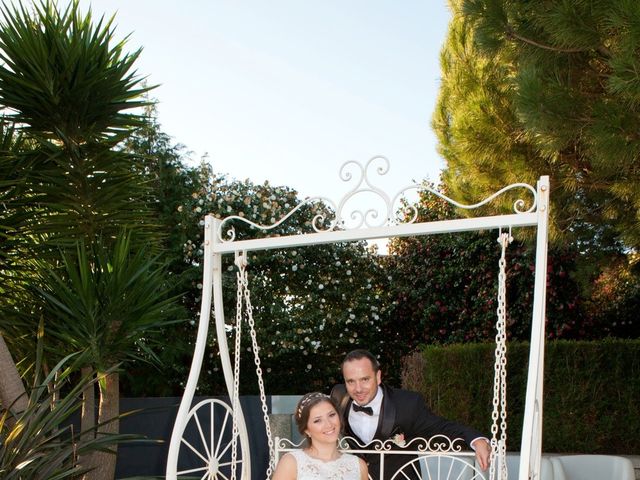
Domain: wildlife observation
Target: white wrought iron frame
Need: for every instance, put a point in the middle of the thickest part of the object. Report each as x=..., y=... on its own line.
x=451, y=460
x=370, y=225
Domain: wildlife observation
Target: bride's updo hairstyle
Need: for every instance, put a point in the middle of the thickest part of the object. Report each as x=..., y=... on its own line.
x=303, y=409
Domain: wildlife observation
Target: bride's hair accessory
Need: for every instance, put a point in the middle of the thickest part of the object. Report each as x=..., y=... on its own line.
x=308, y=400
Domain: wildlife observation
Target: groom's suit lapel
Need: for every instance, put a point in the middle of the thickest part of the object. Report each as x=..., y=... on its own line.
x=387, y=420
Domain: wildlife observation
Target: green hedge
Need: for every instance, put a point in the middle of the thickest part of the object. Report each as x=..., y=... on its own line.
x=591, y=391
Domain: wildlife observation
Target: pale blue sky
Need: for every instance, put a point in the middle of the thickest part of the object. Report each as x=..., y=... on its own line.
x=288, y=90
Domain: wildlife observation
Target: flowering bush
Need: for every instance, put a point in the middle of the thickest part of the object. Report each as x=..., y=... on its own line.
x=311, y=305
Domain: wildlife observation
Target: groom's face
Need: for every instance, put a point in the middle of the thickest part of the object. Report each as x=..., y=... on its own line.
x=361, y=381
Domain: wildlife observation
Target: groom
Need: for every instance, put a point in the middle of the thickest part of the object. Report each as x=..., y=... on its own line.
x=372, y=410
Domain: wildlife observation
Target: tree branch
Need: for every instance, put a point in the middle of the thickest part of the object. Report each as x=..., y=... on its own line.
x=513, y=35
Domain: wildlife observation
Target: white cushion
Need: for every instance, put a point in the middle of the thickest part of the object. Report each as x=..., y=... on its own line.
x=595, y=467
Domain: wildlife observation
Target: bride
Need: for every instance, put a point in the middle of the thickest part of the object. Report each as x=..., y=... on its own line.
x=318, y=420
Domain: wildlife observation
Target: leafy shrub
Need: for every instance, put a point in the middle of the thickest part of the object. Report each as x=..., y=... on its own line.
x=591, y=391
x=445, y=286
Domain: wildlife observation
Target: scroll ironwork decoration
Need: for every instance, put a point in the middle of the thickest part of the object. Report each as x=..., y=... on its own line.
x=391, y=213
x=436, y=444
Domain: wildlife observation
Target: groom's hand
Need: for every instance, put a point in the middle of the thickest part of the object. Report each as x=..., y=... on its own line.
x=483, y=452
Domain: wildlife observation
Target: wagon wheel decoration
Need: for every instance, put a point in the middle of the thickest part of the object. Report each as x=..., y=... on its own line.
x=205, y=451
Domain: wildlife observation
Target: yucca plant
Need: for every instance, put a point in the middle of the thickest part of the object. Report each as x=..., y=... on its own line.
x=65, y=78
x=106, y=302
x=70, y=89
x=71, y=95
x=41, y=443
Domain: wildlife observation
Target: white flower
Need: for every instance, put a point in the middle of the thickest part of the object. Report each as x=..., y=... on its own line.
x=399, y=440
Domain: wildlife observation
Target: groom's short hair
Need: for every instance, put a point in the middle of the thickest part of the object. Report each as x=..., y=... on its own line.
x=360, y=354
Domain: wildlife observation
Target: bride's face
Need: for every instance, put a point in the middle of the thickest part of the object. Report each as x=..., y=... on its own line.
x=324, y=423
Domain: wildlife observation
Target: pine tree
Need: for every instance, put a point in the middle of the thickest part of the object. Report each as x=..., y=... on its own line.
x=547, y=87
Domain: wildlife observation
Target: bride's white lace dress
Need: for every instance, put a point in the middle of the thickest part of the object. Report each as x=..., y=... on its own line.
x=347, y=467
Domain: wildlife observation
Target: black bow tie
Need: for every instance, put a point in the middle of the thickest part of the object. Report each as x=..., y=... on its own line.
x=358, y=408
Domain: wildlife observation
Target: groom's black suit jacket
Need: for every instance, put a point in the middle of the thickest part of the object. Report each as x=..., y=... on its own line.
x=402, y=412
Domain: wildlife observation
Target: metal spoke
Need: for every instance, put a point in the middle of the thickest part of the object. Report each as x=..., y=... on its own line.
x=426, y=466
x=405, y=475
x=205, y=460
x=223, y=476
x=225, y=464
x=222, y=430
x=413, y=465
x=191, y=470
x=202, y=439
x=462, y=470
x=225, y=449
x=212, y=427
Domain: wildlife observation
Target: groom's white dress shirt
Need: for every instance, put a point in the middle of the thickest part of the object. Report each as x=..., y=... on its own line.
x=363, y=425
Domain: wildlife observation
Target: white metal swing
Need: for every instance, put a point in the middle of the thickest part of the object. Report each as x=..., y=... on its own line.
x=217, y=449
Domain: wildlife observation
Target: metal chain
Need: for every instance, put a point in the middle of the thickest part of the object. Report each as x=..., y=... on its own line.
x=235, y=397
x=256, y=358
x=499, y=446
x=244, y=299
